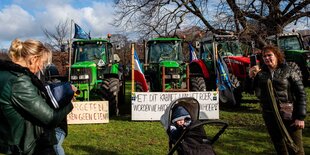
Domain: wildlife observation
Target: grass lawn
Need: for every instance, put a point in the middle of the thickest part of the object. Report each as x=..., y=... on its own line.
x=246, y=134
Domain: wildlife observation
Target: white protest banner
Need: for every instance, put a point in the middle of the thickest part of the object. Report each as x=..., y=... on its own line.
x=151, y=105
x=89, y=112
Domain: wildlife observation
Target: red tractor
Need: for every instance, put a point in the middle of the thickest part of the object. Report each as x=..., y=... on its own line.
x=237, y=58
x=227, y=48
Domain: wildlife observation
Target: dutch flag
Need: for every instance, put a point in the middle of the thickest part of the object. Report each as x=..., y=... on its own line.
x=138, y=73
x=193, y=55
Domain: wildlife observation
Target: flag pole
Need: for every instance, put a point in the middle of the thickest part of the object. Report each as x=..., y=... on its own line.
x=132, y=67
x=70, y=49
x=215, y=59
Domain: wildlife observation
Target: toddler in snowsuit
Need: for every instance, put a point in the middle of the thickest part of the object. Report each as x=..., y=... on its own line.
x=195, y=141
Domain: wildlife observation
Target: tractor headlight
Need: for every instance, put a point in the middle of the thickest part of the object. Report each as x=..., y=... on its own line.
x=74, y=77
x=175, y=76
x=167, y=76
x=84, y=77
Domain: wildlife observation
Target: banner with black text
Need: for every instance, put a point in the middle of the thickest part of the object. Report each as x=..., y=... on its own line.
x=151, y=105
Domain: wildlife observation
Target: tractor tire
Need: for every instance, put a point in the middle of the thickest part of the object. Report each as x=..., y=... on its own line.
x=110, y=91
x=197, y=84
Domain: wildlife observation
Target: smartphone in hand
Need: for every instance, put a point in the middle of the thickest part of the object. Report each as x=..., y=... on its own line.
x=253, y=60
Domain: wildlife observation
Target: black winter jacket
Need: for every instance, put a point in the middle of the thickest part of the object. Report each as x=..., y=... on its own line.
x=24, y=109
x=288, y=86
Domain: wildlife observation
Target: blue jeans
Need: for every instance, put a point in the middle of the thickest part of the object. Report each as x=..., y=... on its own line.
x=60, y=135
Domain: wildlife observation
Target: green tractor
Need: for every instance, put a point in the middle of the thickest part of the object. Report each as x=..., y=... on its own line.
x=165, y=69
x=95, y=72
x=294, y=50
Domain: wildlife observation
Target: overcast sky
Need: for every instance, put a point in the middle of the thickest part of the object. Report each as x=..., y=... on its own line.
x=26, y=18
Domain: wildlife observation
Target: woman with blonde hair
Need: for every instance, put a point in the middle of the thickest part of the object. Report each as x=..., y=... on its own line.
x=24, y=101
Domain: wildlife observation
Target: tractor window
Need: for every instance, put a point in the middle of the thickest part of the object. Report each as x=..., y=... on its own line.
x=207, y=51
x=160, y=51
x=89, y=52
x=229, y=48
x=290, y=43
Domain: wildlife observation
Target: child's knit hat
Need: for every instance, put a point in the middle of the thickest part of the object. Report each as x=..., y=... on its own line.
x=179, y=113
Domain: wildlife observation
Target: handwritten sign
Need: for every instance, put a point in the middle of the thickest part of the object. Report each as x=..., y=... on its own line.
x=151, y=105
x=89, y=112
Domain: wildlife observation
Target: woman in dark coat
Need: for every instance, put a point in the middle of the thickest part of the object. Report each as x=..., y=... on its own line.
x=288, y=88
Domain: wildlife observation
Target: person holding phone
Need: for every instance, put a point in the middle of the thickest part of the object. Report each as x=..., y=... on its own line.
x=288, y=87
x=253, y=60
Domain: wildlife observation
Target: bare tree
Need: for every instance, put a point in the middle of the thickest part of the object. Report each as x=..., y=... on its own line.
x=255, y=19
x=58, y=37
x=263, y=18
x=4, y=54
x=121, y=44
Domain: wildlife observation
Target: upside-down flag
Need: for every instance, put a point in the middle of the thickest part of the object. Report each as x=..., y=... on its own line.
x=139, y=76
x=79, y=33
x=192, y=55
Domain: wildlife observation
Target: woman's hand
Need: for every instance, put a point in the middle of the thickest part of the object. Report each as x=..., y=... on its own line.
x=299, y=124
x=75, y=92
x=253, y=71
x=73, y=88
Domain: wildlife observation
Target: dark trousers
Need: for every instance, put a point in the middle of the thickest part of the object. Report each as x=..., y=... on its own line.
x=277, y=138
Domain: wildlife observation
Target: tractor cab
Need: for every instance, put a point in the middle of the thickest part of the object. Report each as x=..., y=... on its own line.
x=165, y=50
x=290, y=41
x=96, y=51
x=165, y=69
x=227, y=45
